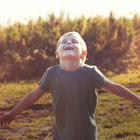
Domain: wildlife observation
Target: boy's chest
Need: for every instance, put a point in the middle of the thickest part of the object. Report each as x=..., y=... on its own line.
x=70, y=79
x=71, y=84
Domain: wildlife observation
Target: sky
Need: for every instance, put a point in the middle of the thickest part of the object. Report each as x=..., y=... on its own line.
x=23, y=10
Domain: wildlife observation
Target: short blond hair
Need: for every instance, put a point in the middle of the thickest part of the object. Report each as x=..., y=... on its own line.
x=83, y=44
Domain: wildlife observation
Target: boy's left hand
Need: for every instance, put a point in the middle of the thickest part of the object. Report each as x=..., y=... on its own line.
x=6, y=119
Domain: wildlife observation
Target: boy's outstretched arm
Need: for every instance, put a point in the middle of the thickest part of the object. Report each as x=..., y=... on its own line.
x=28, y=100
x=121, y=91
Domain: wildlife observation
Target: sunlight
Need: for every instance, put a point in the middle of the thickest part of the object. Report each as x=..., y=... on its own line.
x=18, y=10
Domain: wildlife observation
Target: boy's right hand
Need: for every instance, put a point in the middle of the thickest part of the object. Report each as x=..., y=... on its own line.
x=6, y=119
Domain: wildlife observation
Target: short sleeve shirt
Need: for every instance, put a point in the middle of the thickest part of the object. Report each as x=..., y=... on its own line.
x=74, y=99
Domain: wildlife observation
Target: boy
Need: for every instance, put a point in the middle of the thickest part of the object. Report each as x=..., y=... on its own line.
x=72, y=85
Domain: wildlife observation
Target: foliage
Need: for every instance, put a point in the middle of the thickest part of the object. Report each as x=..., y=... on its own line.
x=27, y=50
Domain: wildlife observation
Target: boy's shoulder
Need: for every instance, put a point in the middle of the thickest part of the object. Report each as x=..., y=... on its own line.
x=53, y=68
x=91, y=67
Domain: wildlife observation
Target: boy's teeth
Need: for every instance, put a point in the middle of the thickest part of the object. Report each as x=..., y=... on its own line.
x=68, y=48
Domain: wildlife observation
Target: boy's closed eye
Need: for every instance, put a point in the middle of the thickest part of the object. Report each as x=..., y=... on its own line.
x=64, y=41
x=74, y=41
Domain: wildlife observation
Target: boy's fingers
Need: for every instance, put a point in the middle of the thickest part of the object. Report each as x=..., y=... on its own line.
x=4, y=124
x=1, y=124
x=7, y=124
x=0, y=119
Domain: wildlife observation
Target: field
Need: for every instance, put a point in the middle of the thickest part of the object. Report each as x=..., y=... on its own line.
x=116, y=118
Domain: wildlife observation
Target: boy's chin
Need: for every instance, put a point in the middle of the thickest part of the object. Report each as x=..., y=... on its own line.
x=69, y=55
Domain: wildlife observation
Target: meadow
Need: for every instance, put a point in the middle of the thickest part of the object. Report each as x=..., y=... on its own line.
x=117, y=118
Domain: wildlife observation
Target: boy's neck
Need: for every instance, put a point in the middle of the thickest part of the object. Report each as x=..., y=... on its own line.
x=70, y=65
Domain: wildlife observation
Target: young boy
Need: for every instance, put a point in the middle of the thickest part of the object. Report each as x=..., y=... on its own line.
x=72, y=85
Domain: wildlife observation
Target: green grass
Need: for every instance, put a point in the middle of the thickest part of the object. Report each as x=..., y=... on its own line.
x=116, y=118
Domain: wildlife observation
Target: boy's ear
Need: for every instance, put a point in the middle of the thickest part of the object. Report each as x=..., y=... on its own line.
x=56, y=54
x=84, y=53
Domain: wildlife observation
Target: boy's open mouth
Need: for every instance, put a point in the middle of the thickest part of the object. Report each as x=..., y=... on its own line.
x=68, y=48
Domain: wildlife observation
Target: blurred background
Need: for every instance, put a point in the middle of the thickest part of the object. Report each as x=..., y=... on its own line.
x=29, y=31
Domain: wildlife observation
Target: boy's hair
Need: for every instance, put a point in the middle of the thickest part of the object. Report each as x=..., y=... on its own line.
x=83, y=44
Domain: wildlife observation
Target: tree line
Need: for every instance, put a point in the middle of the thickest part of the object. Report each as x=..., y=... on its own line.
x=27, y=50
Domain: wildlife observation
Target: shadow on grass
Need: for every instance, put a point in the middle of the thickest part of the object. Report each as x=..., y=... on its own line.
x=34, y=107
x=41, y=107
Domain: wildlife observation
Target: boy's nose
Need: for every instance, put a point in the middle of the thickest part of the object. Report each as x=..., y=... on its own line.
x=68, y=42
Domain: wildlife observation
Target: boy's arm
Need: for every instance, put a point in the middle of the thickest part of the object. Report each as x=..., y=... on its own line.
x=28, y=100
x=121, y=91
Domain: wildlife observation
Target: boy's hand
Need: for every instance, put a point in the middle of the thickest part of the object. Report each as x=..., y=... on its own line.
x=6, y=119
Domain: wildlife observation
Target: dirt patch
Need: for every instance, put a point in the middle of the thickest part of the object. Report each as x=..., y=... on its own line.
x=137, y=91
x=26, y=125
x=36, y=107
x=132, y=85
x=125, y=135
x=122, y=135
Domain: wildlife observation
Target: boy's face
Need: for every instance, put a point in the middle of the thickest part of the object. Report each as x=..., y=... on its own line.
x=69, y=47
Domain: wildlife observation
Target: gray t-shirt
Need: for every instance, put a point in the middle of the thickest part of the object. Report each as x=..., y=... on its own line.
x=74, y=100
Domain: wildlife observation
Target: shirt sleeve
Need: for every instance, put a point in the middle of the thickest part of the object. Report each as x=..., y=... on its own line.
x=98, y=78
x=44, y=83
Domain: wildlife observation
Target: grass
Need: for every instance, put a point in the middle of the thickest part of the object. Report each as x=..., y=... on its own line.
x=116, y=118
